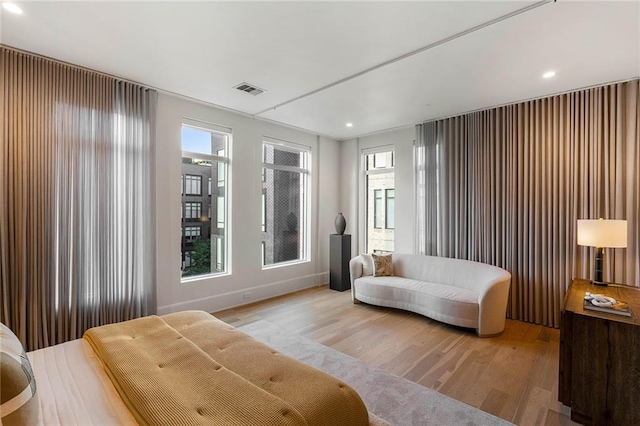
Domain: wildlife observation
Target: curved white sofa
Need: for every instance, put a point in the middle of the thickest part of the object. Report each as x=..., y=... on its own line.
x=459, y=292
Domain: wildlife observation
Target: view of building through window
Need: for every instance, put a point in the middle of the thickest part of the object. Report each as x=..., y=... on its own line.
x=204, y=234
x=285, y=180
x=380, y=201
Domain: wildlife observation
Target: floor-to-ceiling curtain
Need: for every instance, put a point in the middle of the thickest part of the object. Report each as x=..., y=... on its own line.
x=77, y=216
x=506, y=186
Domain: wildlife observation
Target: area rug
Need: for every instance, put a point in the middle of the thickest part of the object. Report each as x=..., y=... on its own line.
x=396, y=400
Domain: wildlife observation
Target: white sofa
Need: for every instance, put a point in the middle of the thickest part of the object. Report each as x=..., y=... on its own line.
x=459, y=292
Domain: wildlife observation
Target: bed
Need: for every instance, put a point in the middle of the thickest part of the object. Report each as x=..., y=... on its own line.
x=182, y=368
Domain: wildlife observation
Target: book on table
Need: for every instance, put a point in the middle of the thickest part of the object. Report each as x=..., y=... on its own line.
x=618, y=308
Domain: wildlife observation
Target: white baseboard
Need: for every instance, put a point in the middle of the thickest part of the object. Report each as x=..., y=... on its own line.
x=233, y=299
x=322, y=278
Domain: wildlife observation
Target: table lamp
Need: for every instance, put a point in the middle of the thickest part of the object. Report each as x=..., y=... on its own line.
x=602, y=234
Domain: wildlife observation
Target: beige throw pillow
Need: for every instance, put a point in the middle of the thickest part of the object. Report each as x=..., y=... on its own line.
x=367, y=264
x=383, y=266
x=18, y=399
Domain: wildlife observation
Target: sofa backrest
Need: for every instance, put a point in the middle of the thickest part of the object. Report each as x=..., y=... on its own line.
x=455, y=272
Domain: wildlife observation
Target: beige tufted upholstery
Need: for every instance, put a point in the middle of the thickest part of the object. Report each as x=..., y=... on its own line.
x=190, y=367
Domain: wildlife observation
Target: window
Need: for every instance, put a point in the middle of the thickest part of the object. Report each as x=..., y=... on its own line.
x=219, y=253
x=389, y=208
x=193, y=210
x=377, y=208
x=191, y=232
x=379, y=203
x=187, y=259
x=285, y=189
x=221, y=171
x=380, y=160
x=264, y=210
x=220, y=211
x=194, y=185
x=205, y=150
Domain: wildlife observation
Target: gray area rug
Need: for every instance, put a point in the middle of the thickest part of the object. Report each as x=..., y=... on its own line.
x=396, y=400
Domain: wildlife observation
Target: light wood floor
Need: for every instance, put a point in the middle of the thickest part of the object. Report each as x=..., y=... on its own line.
x=513, y=376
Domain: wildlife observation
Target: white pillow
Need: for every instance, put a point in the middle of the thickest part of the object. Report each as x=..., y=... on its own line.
x=367, y=264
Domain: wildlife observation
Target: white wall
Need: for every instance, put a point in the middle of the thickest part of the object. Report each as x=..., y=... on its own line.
x=350, y=182
x=212, y=294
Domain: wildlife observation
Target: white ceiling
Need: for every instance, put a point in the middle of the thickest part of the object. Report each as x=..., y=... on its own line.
x=293, y=49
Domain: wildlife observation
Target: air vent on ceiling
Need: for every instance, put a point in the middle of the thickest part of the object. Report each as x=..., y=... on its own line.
x=253, y=90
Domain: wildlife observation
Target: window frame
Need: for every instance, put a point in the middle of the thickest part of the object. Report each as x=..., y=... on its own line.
x=386, y=207
x=226, y=233
x=190, y=232
x=305, y=171
x=188, y=209
x=363, y=190
x=188, y=182
x=377, y=209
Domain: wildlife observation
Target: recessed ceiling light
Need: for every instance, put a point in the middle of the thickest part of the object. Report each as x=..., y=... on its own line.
x=349, y=124
x=13, y=8
x=548, y=74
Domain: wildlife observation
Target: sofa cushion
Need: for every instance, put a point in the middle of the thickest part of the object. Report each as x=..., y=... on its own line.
x=441, y=302
x=456, y=272
x=383, y=265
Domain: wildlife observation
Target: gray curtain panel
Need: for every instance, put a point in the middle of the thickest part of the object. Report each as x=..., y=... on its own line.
x=77, y=201
x=506, y=186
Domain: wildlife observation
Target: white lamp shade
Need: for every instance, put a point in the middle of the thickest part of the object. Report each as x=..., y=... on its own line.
x=602, y=233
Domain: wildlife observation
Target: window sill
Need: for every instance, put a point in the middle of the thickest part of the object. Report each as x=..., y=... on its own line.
x=285, y=264
x=190, y=279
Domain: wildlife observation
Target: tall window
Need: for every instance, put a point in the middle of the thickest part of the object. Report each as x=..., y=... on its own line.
x=379, y=210
x=285, y=188
x=205, y=158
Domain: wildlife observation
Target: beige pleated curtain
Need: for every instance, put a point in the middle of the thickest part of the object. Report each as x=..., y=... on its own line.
x=77, y=216
x=506, y=186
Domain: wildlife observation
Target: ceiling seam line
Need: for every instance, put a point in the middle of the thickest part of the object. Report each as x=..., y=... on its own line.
x=506, y=104
x=410, y=54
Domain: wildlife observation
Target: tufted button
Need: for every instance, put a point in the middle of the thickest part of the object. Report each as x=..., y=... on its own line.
x=218, y=367
x=285, y=412
x=161, y=365
x=200, y=411
x=340, y=385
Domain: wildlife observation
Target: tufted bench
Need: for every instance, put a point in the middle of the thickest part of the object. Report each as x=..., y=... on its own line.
x=459, y=292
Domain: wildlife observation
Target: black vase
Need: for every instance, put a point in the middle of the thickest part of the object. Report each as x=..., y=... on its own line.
x=340, y=223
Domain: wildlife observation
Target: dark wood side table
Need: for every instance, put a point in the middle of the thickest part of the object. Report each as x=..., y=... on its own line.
x=599, y=375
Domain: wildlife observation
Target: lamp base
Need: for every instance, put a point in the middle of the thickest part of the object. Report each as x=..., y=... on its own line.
x=599, y=283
